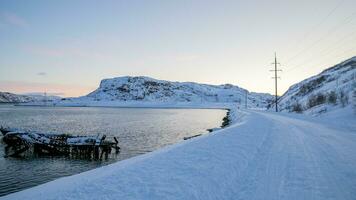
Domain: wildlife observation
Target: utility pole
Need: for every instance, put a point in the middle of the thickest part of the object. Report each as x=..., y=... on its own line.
x=275, y=70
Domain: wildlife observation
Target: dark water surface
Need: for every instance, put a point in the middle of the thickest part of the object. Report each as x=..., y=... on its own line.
x=140, y=130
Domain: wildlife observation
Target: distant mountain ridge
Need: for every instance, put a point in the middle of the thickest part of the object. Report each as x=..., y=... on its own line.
x=146, y=89
x=333, y=87
x=7, y=97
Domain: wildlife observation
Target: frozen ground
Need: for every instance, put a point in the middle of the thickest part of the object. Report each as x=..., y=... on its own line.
x=263, y=155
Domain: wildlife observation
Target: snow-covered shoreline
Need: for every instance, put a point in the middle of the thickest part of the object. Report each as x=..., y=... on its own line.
x=134, y=104
x=150, y=105
x=231, y=108
x=260, y=155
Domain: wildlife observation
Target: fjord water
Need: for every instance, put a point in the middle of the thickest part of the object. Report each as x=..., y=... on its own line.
x=140, y=130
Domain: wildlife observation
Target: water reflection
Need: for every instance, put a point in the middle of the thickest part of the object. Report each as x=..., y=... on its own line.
x=139, y=131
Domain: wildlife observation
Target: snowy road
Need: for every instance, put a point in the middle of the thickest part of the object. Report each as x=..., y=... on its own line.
x=299, y=159
x=267, y=156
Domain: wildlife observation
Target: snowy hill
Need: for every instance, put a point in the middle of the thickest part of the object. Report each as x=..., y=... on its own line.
x=145, y=89
x=331, y=89
x=40, y=97
x=6, y=97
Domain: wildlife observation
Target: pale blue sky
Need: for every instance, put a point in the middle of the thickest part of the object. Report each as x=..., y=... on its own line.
x=69, y=46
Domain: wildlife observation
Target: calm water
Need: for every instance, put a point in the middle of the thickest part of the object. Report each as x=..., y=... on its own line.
x=140, y=130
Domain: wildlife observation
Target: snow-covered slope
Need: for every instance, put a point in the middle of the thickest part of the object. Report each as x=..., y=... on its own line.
x=41, y=97
x=331, y=89
x=6, y=97
x=145, y=89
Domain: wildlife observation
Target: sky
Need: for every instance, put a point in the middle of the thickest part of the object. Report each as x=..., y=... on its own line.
x=66, y=47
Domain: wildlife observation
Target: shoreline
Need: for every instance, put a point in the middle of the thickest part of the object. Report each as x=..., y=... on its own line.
x=132, y=104
x=226, y=121
x=126, y=165
x=133, y=107
x=149, y=154
x=257, y=149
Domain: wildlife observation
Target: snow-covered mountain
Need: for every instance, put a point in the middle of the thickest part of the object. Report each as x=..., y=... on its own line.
x=333, y=88
x=146, y=89
x=40, y=97
x=6, y=97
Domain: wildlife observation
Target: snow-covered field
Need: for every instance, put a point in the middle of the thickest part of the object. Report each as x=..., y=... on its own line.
x=262, y=155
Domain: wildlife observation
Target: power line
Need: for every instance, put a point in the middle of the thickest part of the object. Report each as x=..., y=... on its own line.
x=322, y=21
x=328, y=50
x=333, y=29
x=353, y=50
x=324, y=52
x=341, y=55
x=343, y=38
x=275, y=70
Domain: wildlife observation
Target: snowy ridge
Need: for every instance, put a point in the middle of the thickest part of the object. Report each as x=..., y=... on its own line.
x=6, y=97
x=42, y=97
x=333, y=88
x=146, y=90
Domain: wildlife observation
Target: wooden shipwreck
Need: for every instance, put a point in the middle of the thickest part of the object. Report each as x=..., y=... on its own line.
x=20, y=143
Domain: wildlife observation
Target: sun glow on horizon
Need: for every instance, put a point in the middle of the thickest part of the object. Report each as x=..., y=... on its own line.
x=215, y=42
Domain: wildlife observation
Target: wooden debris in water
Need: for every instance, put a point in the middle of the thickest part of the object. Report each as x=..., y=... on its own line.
x=20, y=143
x=190, y=137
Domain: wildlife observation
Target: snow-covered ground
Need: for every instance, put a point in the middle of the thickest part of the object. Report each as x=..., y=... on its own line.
x=324, y=92
x=262, y=155
x=6, y=97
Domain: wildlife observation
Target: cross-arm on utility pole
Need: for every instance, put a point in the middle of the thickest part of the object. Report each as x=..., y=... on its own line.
x=275, y=70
